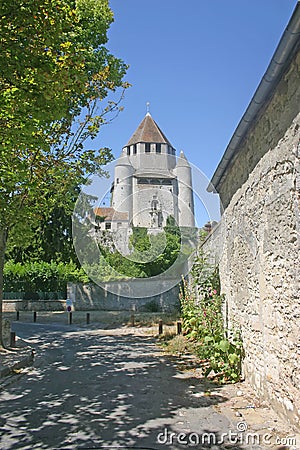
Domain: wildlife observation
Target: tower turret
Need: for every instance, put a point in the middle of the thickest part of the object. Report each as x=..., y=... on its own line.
x=122, y=191
x=185, y=192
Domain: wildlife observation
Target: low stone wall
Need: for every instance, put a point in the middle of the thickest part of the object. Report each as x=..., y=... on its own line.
x=93, y=297
x=33, y=305
x=257, y=246
x=128, y=296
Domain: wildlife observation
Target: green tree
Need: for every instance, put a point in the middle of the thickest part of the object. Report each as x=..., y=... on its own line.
x=54, y=70
x=53, y=63
x=151, y=254
x=48, y=240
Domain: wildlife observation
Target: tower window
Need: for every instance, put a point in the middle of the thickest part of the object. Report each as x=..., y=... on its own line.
x=134, y=149
x=154, y=181
x=154, y=203
x=147, y=147
x=128, y=150
x=143, y=181
x=158, y=148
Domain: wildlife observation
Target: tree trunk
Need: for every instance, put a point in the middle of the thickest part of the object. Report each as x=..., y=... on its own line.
x=3, y=241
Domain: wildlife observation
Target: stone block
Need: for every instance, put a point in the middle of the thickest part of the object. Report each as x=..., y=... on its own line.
x=6, y=328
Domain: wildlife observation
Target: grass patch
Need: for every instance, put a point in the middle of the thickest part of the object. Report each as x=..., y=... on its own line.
x=151, y=319
x=177, y=344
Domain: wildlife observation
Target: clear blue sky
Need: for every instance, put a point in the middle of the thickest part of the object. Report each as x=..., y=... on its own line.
x=198, y=63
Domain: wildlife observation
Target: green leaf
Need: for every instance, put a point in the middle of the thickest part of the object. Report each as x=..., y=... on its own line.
x=233, y=358
x=224, y=345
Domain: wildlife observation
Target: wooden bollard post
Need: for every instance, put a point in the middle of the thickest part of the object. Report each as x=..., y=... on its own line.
x=160, y=327
x=132, y=319
x=18, y=315
x=179, y=327
x=34, y=316
x=70, y=318
x=87, y=318
x=12, y=339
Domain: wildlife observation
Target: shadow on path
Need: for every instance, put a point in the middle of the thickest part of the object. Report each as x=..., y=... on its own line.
x=97, y=389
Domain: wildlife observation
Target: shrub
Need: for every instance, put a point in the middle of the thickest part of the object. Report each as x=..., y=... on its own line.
x=201, y=307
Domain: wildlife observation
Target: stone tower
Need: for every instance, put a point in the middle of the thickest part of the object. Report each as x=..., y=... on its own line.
x=185, y=205
x=150, y=183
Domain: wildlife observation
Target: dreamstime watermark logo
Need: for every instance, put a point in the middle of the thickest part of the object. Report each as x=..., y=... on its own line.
x=105, y=208
x=240, y=436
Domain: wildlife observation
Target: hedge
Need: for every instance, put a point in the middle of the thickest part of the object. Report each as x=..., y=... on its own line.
x=41, y=276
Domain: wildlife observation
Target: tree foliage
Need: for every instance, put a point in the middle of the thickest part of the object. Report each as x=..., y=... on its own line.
x=53, y=62
x=54, y=70
x=53, y=66
x=150, y=255
x=49, y=239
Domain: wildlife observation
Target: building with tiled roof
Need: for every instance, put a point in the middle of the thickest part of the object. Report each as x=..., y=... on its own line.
x=110, y=219
x=150, y=182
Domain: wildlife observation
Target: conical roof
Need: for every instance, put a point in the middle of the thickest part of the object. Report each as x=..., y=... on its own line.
x=148, y=131
x=182, y=161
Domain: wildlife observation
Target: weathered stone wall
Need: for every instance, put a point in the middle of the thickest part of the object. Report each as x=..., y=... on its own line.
x=257, y=244
x=143, y=195
x=213, y=244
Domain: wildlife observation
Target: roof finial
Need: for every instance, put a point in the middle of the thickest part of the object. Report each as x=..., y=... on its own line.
x=148, y=108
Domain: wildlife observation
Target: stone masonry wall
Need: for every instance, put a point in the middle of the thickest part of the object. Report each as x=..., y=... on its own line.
x=257, y=244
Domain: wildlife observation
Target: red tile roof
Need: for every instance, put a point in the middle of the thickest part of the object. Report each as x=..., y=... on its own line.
x=111, y=214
